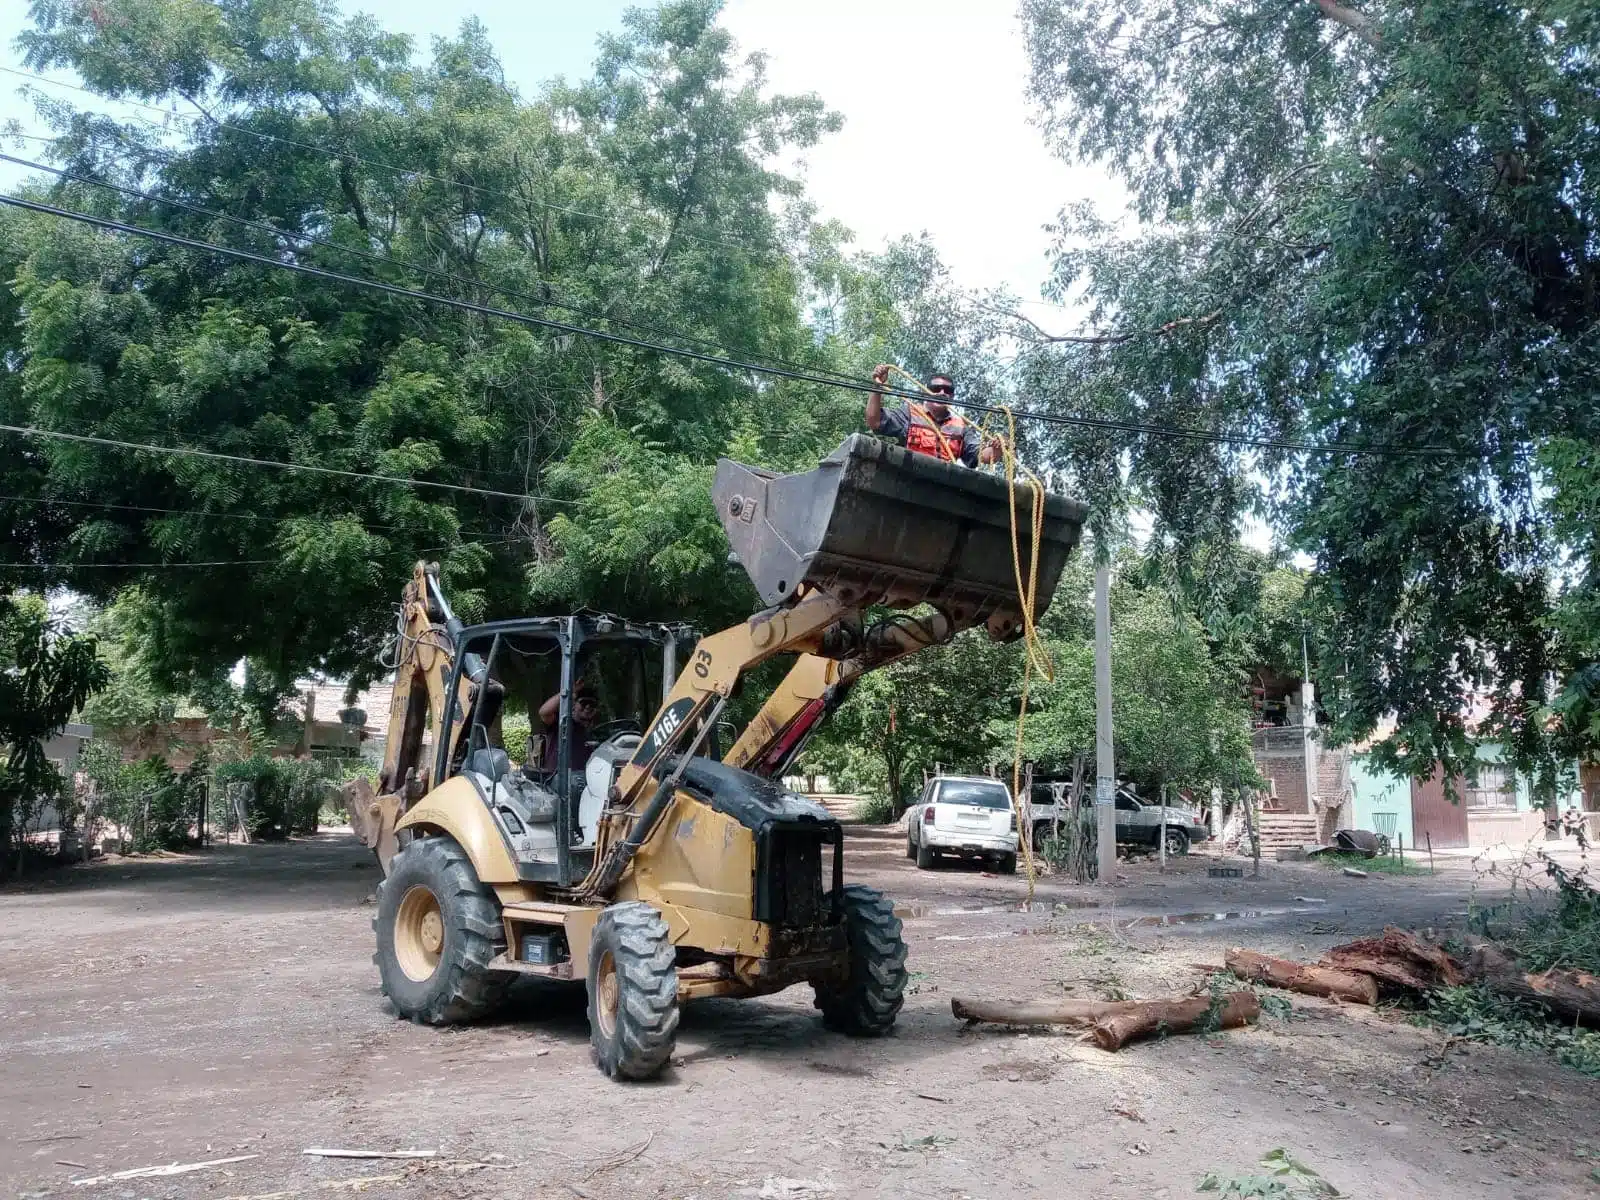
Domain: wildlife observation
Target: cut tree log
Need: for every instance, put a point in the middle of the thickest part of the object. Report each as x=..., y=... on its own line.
x=1079, y=1013
x=1573, y=995
x=1193, y=1015
x=1399, y=959
x=1302, y=977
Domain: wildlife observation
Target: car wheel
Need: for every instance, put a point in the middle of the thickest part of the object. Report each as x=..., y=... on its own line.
x=1006, y=864
x=911, y=847
x=925, y=858
x=1177, y=841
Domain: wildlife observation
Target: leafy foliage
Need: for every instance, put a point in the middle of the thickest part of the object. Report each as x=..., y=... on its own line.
x=1564, y=936
x=1179, y=717
x=1285, y=1176
x=640, y=200
x=1370, y=225
x=46, y=673
x=1477, y=1014
x=285, y=794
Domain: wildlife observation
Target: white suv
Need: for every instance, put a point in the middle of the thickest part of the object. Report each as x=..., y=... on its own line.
x=967, y=816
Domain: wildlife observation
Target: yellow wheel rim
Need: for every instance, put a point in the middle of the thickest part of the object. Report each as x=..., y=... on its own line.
x=418, y=934
x=606, y=995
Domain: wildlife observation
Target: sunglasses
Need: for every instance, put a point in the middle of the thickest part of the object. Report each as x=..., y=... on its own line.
x=943, y=389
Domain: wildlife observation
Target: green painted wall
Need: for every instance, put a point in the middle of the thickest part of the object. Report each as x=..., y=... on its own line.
x=1377, y=792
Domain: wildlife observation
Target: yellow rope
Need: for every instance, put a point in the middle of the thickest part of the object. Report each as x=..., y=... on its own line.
x=1037, y=655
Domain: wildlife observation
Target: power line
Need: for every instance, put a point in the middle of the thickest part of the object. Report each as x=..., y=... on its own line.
x=217, y=516
x=549, y=298
x=190, y=452
x=143, y=566
x=1097, y=423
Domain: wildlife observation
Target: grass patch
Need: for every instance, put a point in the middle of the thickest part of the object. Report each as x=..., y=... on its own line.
x=1382, y=865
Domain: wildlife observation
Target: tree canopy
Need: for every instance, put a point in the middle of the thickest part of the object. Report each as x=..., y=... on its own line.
x=1370, y=228
x=638, y=201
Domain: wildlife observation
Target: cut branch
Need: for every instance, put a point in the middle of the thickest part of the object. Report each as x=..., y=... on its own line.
x=1195, y=1015
x=1301, y=977
x=1106, y=339
x=1081, y=1013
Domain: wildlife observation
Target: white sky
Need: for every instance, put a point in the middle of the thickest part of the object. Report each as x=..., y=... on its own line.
x=936, y=134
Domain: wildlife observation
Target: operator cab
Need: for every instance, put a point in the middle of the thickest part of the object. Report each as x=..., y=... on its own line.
x=559, y=708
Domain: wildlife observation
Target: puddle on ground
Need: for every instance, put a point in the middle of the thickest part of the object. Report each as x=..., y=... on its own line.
x=1195, y=918
x=909, y=911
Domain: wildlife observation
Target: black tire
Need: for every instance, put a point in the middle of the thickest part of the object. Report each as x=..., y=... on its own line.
x=866, y=1003
x=437, y=928
x=911, y=847
x=1177, y=841
x=1006, y=864
x=1041, y=834
x=925, y=857
x=633, y=991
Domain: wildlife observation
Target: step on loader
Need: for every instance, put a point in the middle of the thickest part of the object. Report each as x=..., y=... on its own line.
x=630, y=849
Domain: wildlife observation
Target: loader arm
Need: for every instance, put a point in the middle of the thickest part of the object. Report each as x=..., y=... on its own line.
x=816, y=686
x=424, y=657
x=872, y=525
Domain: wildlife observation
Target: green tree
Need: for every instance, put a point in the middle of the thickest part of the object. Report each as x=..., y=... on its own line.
x=46, y=673
x=1178, y=715
x=641, y=200
x=1368, y=224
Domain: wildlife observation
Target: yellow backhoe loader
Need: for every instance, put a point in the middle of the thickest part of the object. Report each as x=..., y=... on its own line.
x=632, y=850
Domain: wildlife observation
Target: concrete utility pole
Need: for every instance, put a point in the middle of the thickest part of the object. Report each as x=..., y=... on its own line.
x=1308, y=730
x=1105, y=768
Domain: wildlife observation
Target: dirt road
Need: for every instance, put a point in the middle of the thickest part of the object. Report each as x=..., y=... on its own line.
x=223, y=1004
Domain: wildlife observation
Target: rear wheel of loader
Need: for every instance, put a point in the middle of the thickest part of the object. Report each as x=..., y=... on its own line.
x=437, y=929
x=867, y=1001
x=633, y=991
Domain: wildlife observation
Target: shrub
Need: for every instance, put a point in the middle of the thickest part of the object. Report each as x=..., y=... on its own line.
x=878, y=809
x=286, y=794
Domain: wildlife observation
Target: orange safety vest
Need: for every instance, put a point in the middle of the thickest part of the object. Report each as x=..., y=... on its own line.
x=944, y=442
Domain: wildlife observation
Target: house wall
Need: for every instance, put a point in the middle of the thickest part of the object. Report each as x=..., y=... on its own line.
x=1382, y=802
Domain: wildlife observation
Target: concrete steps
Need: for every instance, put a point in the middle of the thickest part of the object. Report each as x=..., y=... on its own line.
x=1282, y=831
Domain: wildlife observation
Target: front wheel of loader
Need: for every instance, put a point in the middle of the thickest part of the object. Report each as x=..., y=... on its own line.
x=633, y=991
x=437, y=928
x=866, y=1002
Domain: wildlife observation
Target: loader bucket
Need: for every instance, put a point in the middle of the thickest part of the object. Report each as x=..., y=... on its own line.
x=874, y=524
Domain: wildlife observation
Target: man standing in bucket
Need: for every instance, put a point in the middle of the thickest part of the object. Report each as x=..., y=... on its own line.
x=929, y=428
